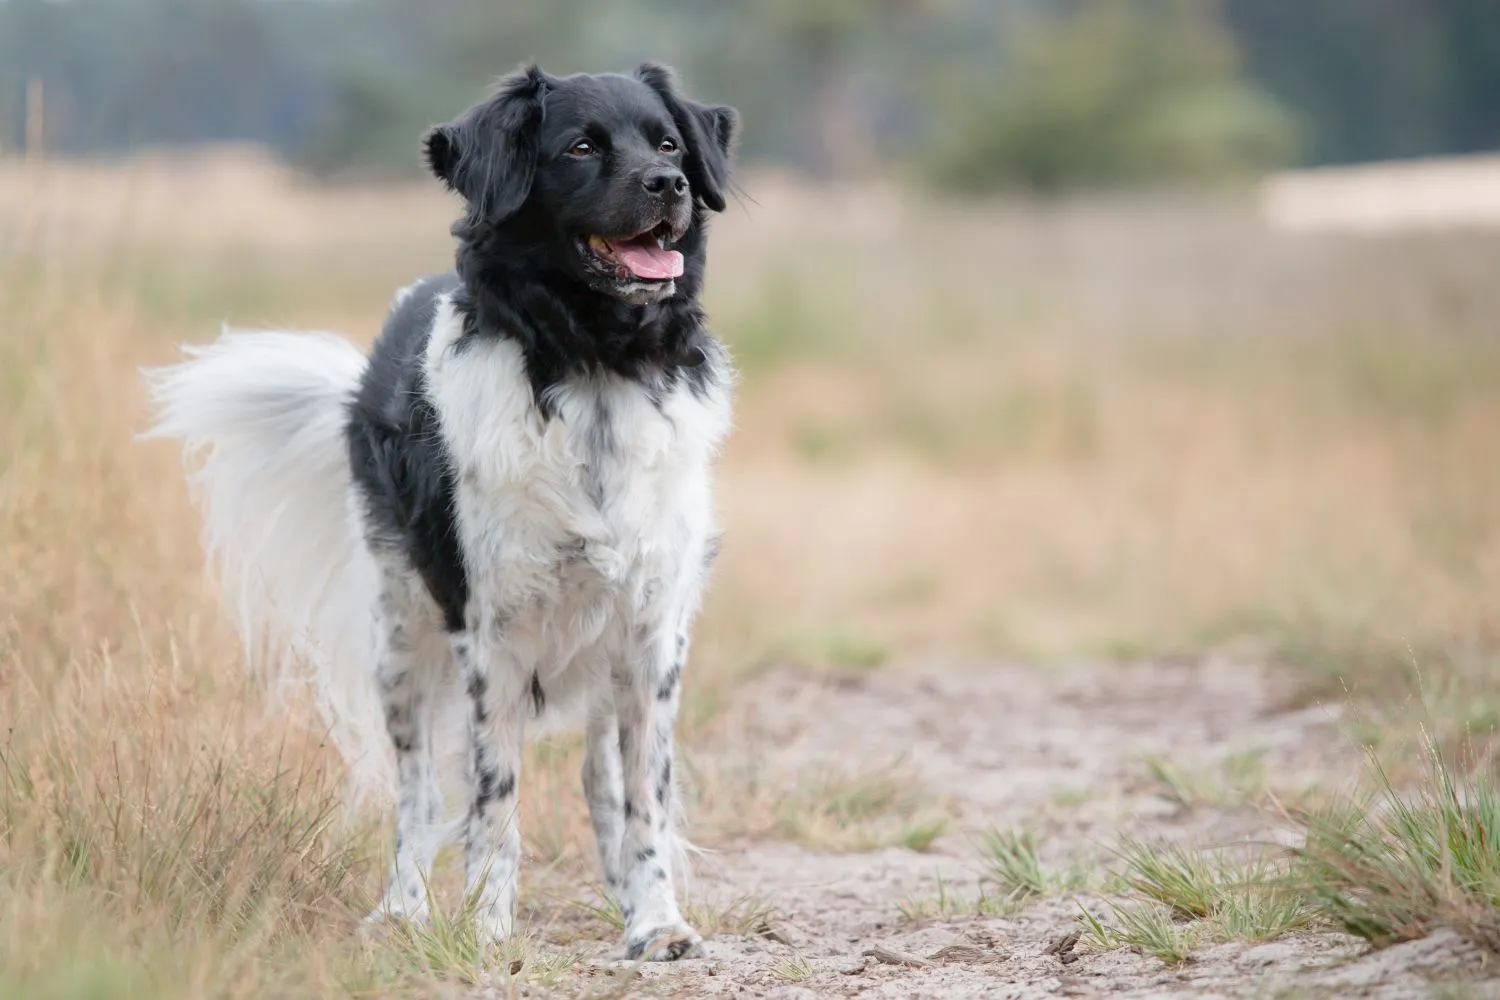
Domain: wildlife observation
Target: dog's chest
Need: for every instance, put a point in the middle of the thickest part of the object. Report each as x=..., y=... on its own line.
x=583, y=516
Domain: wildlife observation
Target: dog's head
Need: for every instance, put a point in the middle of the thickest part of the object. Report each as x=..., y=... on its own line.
x=603, y=178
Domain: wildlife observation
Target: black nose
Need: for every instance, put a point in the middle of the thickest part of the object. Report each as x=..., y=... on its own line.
x=665, y=181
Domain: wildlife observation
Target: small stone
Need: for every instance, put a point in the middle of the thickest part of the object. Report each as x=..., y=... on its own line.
x=966, y=953
x=1062, y=947
x=890, y=957
x=853, y=967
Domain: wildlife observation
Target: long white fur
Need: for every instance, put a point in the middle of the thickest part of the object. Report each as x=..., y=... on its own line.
x=265, y=414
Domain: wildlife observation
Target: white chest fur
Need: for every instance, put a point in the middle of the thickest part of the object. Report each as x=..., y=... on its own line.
x=584, y=532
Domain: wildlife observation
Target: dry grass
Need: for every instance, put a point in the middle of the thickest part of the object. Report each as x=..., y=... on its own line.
x=1080, y=430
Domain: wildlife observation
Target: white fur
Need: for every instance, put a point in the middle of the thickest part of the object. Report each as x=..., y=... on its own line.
x=266, y=414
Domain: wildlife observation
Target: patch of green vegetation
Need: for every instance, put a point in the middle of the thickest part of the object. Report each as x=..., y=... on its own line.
x=1147, y=928
x=1012, y=864
x=920, y=835
x=1395, y=867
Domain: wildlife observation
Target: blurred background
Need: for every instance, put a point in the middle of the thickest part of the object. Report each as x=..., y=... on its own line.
x=972, y=95
x=1133, y=331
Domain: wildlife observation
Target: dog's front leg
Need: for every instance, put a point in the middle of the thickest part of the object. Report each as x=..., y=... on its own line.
x=645, y=689
x=492, y=836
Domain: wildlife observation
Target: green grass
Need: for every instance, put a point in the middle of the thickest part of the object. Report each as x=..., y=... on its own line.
x=920, y=835
x=1391, y=866
x=1011, y=863
x=1394, y=867
x=1147, y=928
x=1232, y=898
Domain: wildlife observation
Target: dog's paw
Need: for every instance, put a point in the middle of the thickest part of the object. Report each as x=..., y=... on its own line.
x=668, y=943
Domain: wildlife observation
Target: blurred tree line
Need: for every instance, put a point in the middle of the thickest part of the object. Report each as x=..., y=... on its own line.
x=971, y=94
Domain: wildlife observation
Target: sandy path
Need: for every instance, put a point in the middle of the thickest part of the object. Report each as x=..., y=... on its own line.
x=1061, y=752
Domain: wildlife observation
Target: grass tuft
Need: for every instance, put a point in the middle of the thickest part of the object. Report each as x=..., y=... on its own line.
x=793, y=970
x=1146, y=928
x=1011, y=862
x=1393, y=868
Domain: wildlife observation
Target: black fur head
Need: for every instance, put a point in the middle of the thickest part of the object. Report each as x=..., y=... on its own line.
x=590, y=183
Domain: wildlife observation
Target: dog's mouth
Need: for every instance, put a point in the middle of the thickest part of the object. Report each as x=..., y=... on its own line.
x=646, y=256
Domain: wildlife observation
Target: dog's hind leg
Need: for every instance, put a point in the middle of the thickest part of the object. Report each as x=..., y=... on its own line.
x=409, y=673
x=603, y=789
x=498, y=700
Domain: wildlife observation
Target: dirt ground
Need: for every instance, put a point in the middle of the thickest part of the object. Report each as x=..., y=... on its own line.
x=1062, y=752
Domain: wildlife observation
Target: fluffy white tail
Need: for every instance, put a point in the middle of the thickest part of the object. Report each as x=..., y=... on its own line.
x=265, y=413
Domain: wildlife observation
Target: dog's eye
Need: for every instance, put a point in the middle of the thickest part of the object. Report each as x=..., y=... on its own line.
x=668, y=146
x=582, y=148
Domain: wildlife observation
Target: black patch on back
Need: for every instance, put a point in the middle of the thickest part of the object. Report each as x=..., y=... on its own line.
x=400, y=465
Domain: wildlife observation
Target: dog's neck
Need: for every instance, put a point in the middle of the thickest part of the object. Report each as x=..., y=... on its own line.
x=567, y=330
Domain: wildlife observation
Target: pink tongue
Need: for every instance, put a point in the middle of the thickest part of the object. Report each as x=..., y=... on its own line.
x=646, y=260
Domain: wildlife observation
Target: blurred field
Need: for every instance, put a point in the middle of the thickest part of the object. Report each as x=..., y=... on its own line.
x=1090, y=429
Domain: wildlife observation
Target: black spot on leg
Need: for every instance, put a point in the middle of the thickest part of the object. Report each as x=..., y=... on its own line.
x=492, y=787
x=629, y=810
x=477, y=687
x=485, y=793
x=476, y=684
x=659, y=873
x=645, y=854
x=711, y=551
x=668, y=686
x=538, y=696
x=664, y=785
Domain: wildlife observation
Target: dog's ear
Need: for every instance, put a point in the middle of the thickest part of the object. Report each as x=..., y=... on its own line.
x=488, y=155
x=709, y=131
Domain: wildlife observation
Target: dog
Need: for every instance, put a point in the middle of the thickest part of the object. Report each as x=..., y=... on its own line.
x=502, y=516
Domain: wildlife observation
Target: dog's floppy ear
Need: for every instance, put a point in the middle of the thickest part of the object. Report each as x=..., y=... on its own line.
x=488, y=155
x=709, y=131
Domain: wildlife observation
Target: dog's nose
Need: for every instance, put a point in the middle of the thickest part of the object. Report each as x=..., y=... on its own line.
x=667, y=182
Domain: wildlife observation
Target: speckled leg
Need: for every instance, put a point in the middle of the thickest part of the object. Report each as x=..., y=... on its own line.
x=646, y=695
x=492, y=852
x=407, y=683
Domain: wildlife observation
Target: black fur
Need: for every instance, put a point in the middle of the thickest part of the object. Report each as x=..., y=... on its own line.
x=530, y=201
x=397, y=456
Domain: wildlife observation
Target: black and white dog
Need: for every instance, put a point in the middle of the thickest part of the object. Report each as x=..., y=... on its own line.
x=503, y=516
